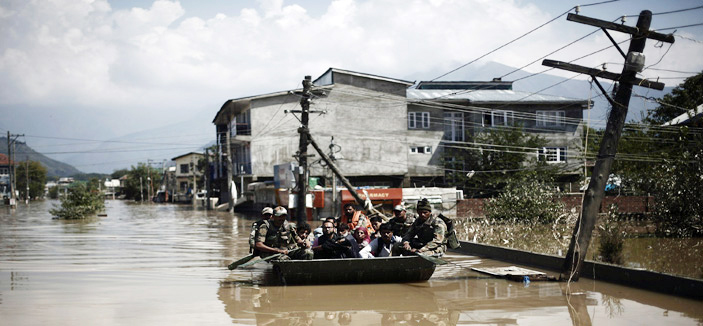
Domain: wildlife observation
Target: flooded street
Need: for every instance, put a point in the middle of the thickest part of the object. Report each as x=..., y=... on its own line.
x=166, y=265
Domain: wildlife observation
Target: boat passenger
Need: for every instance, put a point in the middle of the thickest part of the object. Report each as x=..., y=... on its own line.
x=426, y=235
x=401, y=221
x=356, y=218
x=330, y=244
x=277, y=236
x=382, y=246
x=376, y=222
x=304, y=232
x=266, y=214
x=361, y=235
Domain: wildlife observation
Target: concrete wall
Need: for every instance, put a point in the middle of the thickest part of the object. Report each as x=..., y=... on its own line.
x=370, y=127
x=643, y=279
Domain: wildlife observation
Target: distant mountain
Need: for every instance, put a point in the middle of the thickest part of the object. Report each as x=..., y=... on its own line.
x=552, y=85
x=54, y=168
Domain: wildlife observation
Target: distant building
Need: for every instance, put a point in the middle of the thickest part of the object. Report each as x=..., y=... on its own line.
x=688, y=118
x=385, y=131
x=185, y=172
x=5, y=166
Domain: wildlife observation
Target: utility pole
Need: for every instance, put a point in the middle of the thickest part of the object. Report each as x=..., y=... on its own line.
x=12, y=167
x=334, y=179
x=26, y=174
x=230, y=167
x=208, y=183
x=596, y=188
x=302, y=183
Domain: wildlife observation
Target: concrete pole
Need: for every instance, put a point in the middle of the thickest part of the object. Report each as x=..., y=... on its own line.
x=583, y=230
x=300, y=211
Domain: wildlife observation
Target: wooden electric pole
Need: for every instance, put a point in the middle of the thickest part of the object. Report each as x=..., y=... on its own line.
x=300, y=213
x=634, y=62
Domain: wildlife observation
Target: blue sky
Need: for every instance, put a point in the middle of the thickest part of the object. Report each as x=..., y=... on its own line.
x=77, y=72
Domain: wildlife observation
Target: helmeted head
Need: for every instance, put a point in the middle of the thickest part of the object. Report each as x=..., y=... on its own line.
x=399, y=211
x=279, y=215
x=266, y=213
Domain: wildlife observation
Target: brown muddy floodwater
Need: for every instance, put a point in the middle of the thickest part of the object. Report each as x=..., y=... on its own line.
x=147, y=264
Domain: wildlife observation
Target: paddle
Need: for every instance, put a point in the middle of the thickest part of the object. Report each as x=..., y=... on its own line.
x=272, y=257
x=242, y=260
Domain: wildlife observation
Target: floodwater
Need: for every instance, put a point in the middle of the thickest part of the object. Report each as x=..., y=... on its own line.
x=147, y=264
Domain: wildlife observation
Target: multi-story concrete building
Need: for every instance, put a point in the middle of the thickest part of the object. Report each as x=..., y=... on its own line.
x=383, y=131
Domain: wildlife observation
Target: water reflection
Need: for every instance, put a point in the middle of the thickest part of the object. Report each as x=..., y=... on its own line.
x=166, y=264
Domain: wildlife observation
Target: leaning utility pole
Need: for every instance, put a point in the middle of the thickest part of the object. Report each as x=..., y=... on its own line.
x=634, y=63
x=300, y=213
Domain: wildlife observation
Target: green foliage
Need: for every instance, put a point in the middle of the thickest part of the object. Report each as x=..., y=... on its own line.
x=526, y=201
x=496, y=163
x=119, y=173
x=89, y=176
x=37, y=179
x=687, y=95
x=678, y=189
x=137, y=185
x=79, y=203
x=611, y=239
x=54, y=192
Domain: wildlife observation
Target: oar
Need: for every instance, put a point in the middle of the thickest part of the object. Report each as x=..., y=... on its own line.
x=435, y=260
x=242, y=260
x=272, y=257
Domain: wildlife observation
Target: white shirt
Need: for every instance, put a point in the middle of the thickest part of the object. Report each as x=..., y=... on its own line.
x=368, y=251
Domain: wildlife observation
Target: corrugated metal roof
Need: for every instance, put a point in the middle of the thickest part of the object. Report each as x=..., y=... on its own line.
x=487, y=96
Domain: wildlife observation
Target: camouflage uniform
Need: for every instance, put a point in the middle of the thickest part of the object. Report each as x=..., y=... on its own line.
x=284, y=237
x=401, y=228
x=428, y=237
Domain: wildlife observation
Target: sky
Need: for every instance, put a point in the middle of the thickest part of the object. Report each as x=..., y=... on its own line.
x=148, y=77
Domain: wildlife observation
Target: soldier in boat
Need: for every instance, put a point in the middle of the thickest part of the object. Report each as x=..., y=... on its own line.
x=277, y=236
x=426, y=236
x=402, y=220
x=266, y=214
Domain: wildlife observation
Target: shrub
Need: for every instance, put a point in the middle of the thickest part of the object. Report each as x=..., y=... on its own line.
x=611, y=239
x=527, y=202
x=79, y=203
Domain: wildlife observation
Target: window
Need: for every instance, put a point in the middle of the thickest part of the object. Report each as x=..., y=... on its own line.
x=454, y=126
x=240, y=124
x=4, y=171
x=418, y=120
x=421, y=149
x=184, y=168
x=552, y=154
x=550, y=118
x=497, y=118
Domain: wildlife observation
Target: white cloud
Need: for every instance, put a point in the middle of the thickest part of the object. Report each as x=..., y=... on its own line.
x=161, y=63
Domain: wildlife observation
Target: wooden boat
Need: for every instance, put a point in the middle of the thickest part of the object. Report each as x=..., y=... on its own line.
x=402, y=269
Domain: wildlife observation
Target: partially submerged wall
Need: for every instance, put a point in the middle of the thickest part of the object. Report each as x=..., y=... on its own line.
x=643, y=279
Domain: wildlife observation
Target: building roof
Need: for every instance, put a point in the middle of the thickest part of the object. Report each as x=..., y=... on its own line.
x=494, y=96
x=4, y=160
x=327, y=79
x=184, y=155
x=472, y=85
x=690, y=115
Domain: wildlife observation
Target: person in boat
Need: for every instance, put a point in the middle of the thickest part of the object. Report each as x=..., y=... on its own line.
x=361, y=235
x=426, y=235
x=277, y=236
x=317, y=232
x=376, y=222
x=401, y=221
x=266, y=214
x=304, y=234
x=330, y=245
x=356, y=218
x=348, y=241
x=382, y=246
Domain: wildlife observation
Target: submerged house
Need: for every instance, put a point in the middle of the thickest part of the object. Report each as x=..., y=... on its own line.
x=383, y=131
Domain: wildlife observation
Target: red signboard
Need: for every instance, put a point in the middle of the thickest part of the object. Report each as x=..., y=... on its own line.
x=394, y=195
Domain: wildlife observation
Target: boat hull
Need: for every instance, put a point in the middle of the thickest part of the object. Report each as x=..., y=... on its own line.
x=403, y=269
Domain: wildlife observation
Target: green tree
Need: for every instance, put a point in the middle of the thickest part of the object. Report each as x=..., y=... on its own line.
x=683, y=97
x=526, y=201
x=138, y=182
x=79, y=203
x=119, y=173
x=496, y=158
x=37, y=179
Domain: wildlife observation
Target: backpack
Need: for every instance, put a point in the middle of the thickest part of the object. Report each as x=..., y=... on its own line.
x=252, y=235
x=452, y=240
